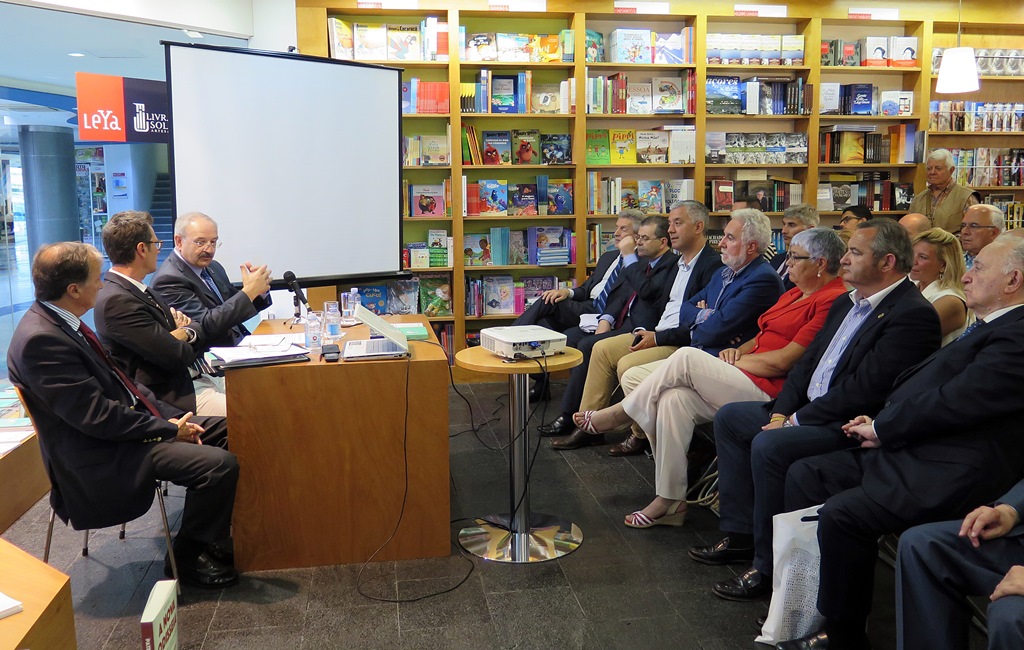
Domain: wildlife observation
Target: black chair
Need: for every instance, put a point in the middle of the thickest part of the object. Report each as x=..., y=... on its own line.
x=85, y=544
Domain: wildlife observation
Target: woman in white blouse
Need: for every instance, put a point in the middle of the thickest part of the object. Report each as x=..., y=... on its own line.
x=938, y=271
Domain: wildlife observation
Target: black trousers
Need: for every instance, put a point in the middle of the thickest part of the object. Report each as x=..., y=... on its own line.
x=556, y=316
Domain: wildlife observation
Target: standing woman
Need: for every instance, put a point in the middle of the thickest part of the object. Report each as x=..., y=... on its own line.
x=938, y=269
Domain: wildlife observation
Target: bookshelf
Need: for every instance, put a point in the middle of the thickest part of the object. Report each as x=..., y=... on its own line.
x=987, y=24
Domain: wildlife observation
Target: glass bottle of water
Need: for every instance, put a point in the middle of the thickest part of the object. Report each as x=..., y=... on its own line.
x=332, y=322
x=314, y=332
x=349, y=303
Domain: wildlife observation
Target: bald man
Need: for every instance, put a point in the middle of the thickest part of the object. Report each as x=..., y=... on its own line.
x=915, y=223
x=981, y=225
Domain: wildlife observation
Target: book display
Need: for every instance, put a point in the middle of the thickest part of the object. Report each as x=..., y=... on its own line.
x=560, y=119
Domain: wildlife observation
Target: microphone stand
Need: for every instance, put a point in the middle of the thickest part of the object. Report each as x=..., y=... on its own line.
x=297, y=319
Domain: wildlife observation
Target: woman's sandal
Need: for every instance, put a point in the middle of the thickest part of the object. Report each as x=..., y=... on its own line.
x=671, y=518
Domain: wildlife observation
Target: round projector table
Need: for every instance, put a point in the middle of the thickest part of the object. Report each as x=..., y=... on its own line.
x=519, y=537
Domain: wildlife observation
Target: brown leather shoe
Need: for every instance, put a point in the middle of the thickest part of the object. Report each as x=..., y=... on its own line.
x=578, y=438
x=631, y=446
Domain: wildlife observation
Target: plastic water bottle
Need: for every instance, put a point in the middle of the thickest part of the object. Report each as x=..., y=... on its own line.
x=332, y=322
x=349, y=302
x=314, y=332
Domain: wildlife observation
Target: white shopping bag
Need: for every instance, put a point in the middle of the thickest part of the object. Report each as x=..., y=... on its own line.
x=794, y=612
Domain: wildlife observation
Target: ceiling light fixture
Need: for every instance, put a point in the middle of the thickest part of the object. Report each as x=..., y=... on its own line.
x=958, y=69
x=191, y=33
x=75, y=54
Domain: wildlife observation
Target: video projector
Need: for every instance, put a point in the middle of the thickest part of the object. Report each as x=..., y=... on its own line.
x=522, y=340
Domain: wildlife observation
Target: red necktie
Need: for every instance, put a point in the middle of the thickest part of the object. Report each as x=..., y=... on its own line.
x=97, y=347
x=629, y=303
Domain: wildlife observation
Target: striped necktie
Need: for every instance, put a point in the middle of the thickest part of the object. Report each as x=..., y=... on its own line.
x=602, y=298
x=208, y=279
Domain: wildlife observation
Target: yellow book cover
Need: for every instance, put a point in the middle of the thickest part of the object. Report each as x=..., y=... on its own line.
x=851, y=147
x=623, y=146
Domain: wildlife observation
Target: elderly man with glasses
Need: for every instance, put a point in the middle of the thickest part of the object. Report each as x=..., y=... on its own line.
x=192, y=282
x=981, y=225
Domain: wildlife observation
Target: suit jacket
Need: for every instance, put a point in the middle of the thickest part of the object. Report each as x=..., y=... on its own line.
x=135, y=327
x=950, y=424
x=777, y=261
x=95, y=447
x=1015, y=498
x=582, y=292
x=651, y=292
x=900, y=332
x=182, y=289
x=749, y=295
x=707, y=266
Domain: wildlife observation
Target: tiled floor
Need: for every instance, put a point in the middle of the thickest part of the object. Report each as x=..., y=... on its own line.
x=623, y=588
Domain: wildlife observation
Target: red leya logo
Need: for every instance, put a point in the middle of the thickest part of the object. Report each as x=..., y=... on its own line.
x=100, y=107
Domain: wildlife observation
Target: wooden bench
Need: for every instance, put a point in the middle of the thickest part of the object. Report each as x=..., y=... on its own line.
x=48, y=620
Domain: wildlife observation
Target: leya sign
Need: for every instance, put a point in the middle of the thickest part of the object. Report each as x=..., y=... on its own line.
x=119, y=109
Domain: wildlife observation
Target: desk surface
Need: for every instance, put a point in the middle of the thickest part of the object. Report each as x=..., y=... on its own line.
x=482, y=360
x=421, y=350
x=47, y=620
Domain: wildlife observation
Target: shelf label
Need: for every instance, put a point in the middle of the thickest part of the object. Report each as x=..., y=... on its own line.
x=517, y=5
x=624, y=7
x=761, y=11
x=873, y=13
x=388, y=4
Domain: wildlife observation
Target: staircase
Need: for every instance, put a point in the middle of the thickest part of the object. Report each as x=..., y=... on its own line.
x=163, y=219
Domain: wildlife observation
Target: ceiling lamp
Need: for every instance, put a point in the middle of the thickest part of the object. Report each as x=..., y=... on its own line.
x=958, y=69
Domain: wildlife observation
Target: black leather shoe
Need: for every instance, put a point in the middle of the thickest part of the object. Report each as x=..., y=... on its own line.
x=751, y=585
x=761, y=620
x=721, y=552
x=540, y=392
x=578, y=438
x=631, y=446
x=203, y=572
x=560, y=426
x=223, y=551
x=816, y=641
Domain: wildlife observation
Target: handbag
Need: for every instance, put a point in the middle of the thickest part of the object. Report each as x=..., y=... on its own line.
x=793, y=612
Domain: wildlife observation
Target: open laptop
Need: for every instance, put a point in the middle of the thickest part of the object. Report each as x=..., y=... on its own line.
x=394, y=345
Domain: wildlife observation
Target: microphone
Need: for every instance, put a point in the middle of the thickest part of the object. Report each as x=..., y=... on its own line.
x=293, y=286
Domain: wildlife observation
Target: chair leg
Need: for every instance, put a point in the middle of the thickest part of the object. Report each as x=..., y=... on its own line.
x=121, y=534
x=165, y=484
x=49, y=537
x=85, y=544
x=167, y=538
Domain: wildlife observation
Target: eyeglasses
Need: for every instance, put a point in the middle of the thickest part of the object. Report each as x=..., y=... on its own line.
x=791, y=256
x=159, y=244
x=974, y=226
x=846, y=220
x=643, y=239
x=202, y=243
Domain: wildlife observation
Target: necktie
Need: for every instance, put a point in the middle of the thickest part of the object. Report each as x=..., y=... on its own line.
x=970, y=328
x=208, y=279
x=629, y=303
x=97, y=347
x=602, y=298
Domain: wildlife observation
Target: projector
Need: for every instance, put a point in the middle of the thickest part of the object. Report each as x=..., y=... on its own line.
x=522, y=340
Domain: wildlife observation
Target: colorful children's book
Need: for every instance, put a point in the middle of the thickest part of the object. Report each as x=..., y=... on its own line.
x=556, y=148
x=525, y=146
x=374, y=297
x=517, y=247
x=594, y=44
x=342, y=45
x=428, y=200
x=623, y=146
x=404, y=43
x=503, y=94
x=652, y=146
x=667, y=94
x=403, y=296
x=598, y=151
x=629, y=196
x=497, y=147
x=481, y=47
x=371, y=41
x=476, y=249
x=498, y=294
x=522, y=199
x=434, y=150
x=651, y=197
x=638, y=99
x=435, y=294
x=560, y=196
x=545, y=98
x=493, y=198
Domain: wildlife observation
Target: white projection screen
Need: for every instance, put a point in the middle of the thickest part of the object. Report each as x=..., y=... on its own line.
x=297, y=159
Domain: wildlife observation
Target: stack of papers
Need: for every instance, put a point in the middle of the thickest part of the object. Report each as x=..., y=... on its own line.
x=262, y=349
x=9, y=606
x=13, y=432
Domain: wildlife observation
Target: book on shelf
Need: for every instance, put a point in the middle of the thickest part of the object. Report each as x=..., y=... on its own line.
x=629, y=194
x=480, y=47
x=517, y=247
x=678, y=189
x=522, y=199
x=370, y=41
x=555, y=148
x=667, y=94
x=673, y=48
x=493, y=198
x=622, y=143
x=403, y=296
x=650, y=196
x=598, y=149
x=503, y=94
x=476, y=249
x=638, y=99
x=560, y=198
x=652, y=146
x=499, y=245
x=525, y=146
x=682, y=143
x=629, y=45
x=374, y=297
x=874, y=51
x=535, y=285
x=594, y=45
x=341, y=44
x=497, y=147
x=792, y=49
x=498, y=294
x=428, y=201
x=545, y=48
x=404, y=43
x=546, y=99
x=903, y=51
x=435, y=294
x=714, y=147
x=723, y=95
x=513, y=48
x=721, y=195
x=828, y=53
x=434, y=150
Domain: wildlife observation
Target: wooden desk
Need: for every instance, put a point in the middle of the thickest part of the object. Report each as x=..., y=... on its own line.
x=323, y=448
x=23, y=481
x=47, y=620
x=521, y=536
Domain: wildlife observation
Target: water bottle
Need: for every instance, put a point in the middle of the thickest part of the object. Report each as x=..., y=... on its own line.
x=314, y=332
x=349, y=302
x=332, y=322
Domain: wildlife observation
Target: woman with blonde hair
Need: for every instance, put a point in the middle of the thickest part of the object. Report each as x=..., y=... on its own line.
x=938, y=271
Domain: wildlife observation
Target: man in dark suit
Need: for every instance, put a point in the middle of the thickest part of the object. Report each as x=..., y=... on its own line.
x=946, y=439
x=795, y=218
x=725, y=309
x=156, y=344
x=105, y=439
x=192, y=282
x=885, y=327
x=940, y=564
x=636, y=300
x=560, y=309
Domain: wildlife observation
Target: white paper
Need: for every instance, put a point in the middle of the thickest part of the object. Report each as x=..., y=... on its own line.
x=762, y=11
x=8, y=605
x=245, y=353
x=623, y=7
x=15, y=436
x=279, y=343
x=588, y=322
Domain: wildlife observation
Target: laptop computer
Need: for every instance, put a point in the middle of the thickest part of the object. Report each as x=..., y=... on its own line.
x=394, y=345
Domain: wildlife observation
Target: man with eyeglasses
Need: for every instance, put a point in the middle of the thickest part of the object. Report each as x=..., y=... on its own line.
x=981, y=225
x=191, y=281
x=157, y=345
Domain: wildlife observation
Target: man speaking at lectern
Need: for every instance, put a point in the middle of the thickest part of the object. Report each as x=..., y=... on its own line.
x=193, y=283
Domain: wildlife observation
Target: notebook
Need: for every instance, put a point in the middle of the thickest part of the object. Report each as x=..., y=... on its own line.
x=394, y=345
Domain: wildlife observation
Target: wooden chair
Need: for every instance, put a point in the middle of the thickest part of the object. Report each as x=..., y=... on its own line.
x=85, y=543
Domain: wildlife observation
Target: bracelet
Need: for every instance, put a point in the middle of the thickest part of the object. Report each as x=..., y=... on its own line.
x=779, y=418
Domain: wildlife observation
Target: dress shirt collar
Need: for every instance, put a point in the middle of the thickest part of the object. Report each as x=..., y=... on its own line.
x=138, y=285
x=999, y=312
x=877, y=297
x=73, y=321
x=198, y=270
x=686, y=266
